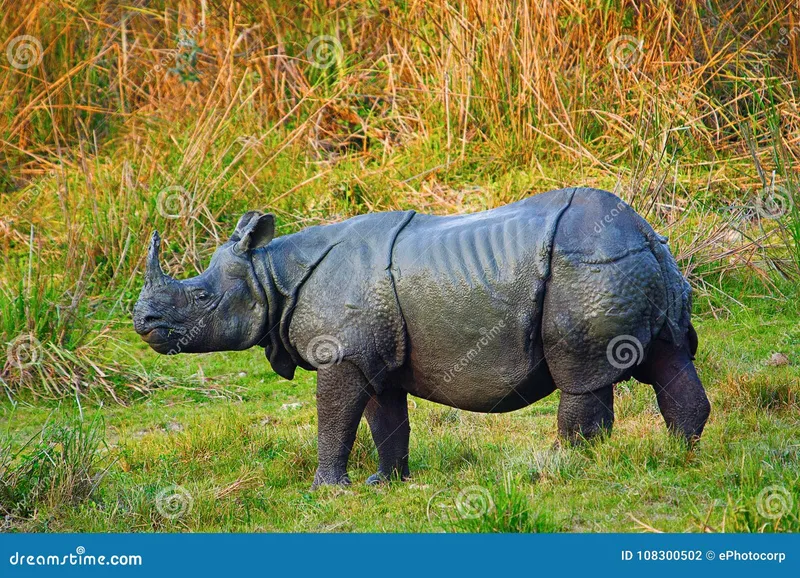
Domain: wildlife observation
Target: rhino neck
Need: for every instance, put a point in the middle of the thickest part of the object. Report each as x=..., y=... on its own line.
x=282, y=268
x=275, y=349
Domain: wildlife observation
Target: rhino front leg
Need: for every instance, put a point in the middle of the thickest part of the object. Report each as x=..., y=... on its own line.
x=585, y=415
x=387, y=415
x=342, y=395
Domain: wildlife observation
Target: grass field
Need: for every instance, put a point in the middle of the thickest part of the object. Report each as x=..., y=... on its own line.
x=246, y=463
x=121, y=118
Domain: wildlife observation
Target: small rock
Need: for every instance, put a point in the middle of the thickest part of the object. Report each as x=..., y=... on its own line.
x=778, y=359
x=242, y=374
x=266, y=421
x=288, y=406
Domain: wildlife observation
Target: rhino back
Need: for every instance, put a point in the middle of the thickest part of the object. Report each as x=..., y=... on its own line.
x=470, y=289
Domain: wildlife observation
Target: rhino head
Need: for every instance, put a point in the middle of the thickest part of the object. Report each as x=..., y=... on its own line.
x=225, y=308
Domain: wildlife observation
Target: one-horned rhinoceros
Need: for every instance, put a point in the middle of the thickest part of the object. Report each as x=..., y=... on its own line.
x=487, y=312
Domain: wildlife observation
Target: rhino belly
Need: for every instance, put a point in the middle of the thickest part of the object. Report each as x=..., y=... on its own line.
x=476, y=389
x=471, y=346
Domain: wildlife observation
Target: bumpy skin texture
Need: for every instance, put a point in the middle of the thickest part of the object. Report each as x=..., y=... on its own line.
x=387, y=416
x=585, y=415
x=342, y=395
x=487, y=312
x=681, y=397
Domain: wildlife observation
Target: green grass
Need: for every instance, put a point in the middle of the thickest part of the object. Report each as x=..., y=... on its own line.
x=244, y=461
x=463, y=109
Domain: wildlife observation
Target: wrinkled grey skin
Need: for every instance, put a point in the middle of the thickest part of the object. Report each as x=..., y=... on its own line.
x=489, y=312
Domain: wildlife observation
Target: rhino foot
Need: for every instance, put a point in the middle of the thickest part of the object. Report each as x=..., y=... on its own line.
x=376, y=479
x=330, y=479
x=381, y=478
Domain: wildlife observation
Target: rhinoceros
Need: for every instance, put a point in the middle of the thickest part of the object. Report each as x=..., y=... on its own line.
x=486, y=312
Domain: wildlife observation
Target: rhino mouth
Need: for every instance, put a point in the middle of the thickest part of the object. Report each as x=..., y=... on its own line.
x=160, y=338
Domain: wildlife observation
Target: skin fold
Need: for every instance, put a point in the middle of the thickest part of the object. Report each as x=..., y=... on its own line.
x=488, y=312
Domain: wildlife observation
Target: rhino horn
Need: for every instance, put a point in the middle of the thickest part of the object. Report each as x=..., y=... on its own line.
x=154, y=275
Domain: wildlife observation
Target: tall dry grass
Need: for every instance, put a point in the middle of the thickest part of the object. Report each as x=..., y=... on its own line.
x=124, y=116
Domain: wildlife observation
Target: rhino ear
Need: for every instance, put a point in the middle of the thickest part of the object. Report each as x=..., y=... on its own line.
x=244, y=221
x=254, y=230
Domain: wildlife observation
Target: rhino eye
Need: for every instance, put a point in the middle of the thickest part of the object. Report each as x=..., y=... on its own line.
x=201, y=295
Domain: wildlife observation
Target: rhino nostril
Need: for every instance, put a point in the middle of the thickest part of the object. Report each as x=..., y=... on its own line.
x=147, y=322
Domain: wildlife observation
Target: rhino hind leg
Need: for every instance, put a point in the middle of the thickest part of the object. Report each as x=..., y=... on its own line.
x=586, y=415
x=681, y=398
x=387, y=415
x=595, y=327
x=342, y=395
